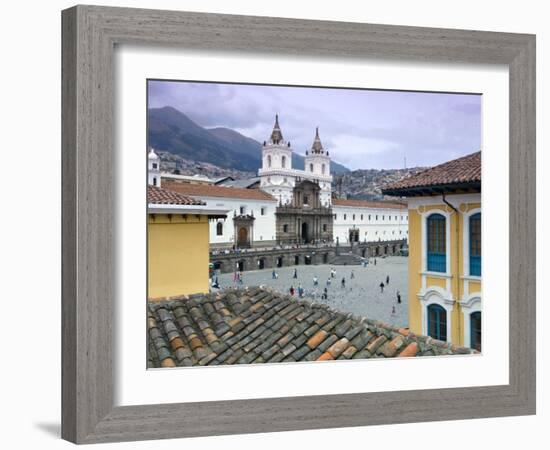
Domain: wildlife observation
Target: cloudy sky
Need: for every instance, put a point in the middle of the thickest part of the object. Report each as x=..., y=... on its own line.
x=361, y=128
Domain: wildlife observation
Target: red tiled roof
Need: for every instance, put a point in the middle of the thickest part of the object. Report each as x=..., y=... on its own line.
x=217, y=191
x=458, y=172
x=160, y=196
x=263, y=326
x=367, y=204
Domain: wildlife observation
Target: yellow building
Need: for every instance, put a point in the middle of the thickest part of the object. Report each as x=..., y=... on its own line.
x=444, y=205
x=177, y=243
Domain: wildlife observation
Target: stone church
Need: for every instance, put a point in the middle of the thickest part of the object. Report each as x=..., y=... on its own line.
x=305, y=219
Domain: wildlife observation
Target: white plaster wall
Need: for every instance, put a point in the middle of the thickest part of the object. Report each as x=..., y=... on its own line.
x=389, y=225
x=264, y=225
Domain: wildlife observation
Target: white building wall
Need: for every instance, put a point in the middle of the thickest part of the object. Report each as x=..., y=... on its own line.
x=264, y=225
x=374, y=224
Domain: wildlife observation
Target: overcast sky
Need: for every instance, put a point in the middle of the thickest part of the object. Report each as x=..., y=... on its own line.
x=362, y=129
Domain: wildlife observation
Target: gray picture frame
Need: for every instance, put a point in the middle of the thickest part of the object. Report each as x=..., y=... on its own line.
x=89, y=36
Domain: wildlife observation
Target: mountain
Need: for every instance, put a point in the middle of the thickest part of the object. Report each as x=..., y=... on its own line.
x=171, y=131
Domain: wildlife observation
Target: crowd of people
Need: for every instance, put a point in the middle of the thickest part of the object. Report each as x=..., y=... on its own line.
x=297, y=289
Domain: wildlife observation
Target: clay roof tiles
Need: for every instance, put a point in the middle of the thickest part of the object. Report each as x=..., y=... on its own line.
x=461, y=172
x=367, y=204
x=162, y=196
x=257, y=325
x=201, y=190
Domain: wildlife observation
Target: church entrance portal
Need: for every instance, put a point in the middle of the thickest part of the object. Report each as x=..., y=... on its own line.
x=242, y=240
x=305, y=233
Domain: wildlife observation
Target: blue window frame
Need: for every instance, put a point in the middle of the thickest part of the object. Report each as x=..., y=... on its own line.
x=436, y=229
x=437, y=322
x=475, y=244
x=475, y=330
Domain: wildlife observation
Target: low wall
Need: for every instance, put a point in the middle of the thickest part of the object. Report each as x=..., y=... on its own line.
x=254, y=259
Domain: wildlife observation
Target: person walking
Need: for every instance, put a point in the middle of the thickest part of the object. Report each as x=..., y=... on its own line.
x=387, y=279
x=273, y=275
x=325, y=294
x=315, y=281
x=381, y=287
x=398, y=297
x=352, y=275
x=295, y=274
x=291, y=290
x=300, y=291
x=343, y=283
x=375, y=261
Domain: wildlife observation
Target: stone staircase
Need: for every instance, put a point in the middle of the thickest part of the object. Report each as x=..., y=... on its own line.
x=346, y=259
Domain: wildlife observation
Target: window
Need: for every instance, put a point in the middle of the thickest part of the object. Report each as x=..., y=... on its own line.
x=475, y=330
x=369, y=216
x=383, y=217
x=154, y=181
x=268, y=160
x=475, y=244
x=155, y=165
x=306, y=199
x=262, y=210
x=437, y=322
x=219, y=229
x=242, y=209
x=311, y=167
x=437, y=259
x=389, y=217
x=283, y=162
x=354, y=217
x=285, y=228
x=324, y=227
x=345, y=216
x=361, y=216
x=323, y=169
x=335, y=216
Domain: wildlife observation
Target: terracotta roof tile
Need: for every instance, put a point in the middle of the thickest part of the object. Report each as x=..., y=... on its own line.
x=458, y=172
x=367, y=204
x=190, y=331
x=162, y=196
x=201, y=190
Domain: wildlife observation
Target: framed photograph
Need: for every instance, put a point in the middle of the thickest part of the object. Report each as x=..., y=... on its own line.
x=277, y=224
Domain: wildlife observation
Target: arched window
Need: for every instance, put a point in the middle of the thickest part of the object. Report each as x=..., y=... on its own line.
x=437, y=322
x=475, y=330
x=283, y=162
x=437, y=259
x=311, y=167
x=475, y=244
x=323, y=169
x=268, y=160
x=154, y=181
x=219, y=229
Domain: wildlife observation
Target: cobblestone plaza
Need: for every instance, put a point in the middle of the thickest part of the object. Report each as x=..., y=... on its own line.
x=361, y=295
